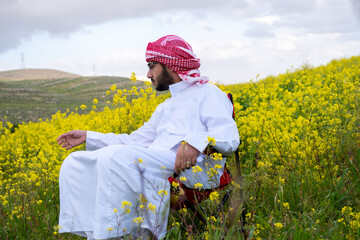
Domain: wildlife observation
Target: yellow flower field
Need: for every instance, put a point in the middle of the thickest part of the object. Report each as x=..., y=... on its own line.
x=300, y=158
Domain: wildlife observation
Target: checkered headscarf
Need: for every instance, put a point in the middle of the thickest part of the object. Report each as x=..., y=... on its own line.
x=176, y=54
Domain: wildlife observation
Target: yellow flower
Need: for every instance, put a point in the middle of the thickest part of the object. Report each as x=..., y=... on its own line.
x=212, y=218
x=143, y=198
x=138, y=220
x=113, y=88
x=212, y=172
x=110, y=229
x=218, y=166
x=182, y=179
x=286, y=205
x=211, y=141
x=248, y=216
x=95, y=101
x=278, y=225
x=346, y=210
x=281, y=180
x=196, y=169
x=183, y=210
x=214, y=196
x=115, y=210
x=175, y=184
x=125, y=204
x=151, y=207
x=162, y=192
x=133, y=77
x=175, y=224
x=217, y=156
x=198, y=185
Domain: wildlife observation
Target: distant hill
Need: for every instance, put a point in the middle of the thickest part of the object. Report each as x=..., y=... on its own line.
x=31, y=73
x=31, y=99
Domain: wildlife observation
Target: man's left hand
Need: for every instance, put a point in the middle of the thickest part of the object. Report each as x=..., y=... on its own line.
x=185, y=157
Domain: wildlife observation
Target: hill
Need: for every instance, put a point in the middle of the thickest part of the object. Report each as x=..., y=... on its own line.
x=29, y=100
x=26, y=74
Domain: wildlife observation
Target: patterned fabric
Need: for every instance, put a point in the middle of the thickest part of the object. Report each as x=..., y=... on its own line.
x=176, y=54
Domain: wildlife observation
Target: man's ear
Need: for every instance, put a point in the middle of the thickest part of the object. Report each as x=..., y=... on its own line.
x=168, y=69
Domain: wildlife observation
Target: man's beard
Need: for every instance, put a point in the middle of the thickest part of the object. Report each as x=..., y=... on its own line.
x=164, y=80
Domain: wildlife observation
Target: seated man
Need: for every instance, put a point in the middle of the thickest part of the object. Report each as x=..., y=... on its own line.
x=103, y=189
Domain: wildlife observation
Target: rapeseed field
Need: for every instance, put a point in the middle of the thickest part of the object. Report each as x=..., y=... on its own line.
x=300, y=160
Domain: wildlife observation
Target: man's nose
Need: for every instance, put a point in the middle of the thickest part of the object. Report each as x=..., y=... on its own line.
x=149, y=74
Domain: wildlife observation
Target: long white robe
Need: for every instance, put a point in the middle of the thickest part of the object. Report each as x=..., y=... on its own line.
x=94, y=183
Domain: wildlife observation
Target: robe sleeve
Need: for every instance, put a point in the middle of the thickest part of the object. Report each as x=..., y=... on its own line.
x=142, y=137
x=216, y=114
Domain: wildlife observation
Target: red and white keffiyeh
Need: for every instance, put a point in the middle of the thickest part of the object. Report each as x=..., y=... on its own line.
x=176, y=54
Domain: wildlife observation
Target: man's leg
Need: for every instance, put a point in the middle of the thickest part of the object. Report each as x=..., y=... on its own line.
x=93, y=186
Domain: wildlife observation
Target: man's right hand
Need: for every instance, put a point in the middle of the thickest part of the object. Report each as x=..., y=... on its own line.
x=72, y=139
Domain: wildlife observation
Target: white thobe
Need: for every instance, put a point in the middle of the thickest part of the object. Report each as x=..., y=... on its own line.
x=95, y=182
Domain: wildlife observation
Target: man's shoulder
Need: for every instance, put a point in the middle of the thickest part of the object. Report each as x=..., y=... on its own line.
x=207, y=87
x=212, y=89
x=203, y=92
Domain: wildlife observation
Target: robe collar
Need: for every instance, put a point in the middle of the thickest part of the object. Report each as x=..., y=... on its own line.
x=176, y=88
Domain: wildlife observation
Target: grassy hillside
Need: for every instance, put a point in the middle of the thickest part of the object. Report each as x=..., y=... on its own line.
x=29, y=100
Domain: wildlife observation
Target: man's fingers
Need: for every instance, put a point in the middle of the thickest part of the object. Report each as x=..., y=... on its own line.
x=177, y=164
x=188, y=164
x=61, y=141
x=185, y=157
x=64, y=135
x=182, y=165
x=69, y=147
x=193, y=161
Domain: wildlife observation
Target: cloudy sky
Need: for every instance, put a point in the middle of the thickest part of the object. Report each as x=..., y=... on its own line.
x=235, y=39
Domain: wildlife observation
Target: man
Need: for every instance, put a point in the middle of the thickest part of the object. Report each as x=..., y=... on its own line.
x=105, y=189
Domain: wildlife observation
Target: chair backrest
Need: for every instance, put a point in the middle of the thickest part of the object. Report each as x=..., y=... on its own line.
x=237, y=156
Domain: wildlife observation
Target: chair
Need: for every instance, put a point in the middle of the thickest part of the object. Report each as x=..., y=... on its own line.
x=192, y=197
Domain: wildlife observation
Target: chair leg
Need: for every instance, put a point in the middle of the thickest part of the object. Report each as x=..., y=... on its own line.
x=224, y=200
x=199, y=213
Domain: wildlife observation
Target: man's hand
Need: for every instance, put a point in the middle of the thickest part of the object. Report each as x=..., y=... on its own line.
x=72, y=139
x=185, y=157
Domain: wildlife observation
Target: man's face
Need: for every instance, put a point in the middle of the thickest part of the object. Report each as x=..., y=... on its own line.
x=159, y=75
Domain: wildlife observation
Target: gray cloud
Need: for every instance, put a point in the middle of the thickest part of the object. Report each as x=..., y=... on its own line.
x=259, y=30
x=356, y=8
x=20, y=19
